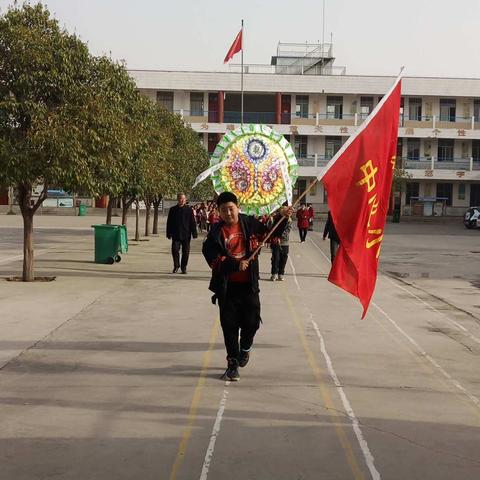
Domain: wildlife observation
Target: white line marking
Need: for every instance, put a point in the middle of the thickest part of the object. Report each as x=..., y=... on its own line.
x=14, y=258
x=367, y=454
x=424, y=354
x=431, y=307
x=215, y=432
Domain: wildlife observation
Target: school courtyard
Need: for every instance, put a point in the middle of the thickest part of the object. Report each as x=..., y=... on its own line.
x=113, y=371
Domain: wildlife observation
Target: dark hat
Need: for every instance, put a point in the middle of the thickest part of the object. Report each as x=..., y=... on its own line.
x=226, y=197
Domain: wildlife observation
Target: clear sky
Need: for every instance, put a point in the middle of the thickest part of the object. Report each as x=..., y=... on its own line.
x=429, y=37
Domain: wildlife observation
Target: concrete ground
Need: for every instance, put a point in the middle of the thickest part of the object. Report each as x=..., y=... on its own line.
x=112, y=371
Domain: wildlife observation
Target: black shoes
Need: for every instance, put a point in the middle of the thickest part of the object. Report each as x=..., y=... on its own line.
x=244, y=358
x=184, y=271
x=231, y=373
x=175, y=270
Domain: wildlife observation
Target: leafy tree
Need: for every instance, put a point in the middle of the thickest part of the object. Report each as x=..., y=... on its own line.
x=45, y=104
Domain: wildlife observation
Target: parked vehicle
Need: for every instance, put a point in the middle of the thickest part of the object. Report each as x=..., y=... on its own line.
x=471, y=219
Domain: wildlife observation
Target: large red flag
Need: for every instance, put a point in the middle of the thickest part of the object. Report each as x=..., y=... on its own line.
x=358, y=183
x=235, y=48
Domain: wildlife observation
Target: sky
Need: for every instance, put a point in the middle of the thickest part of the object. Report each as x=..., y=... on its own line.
x=370, y=37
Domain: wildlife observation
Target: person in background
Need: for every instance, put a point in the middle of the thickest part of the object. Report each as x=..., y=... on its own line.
x=302, y=222
x=181, y=228
x=311, y=212
x=279, y=246
x=332, y=234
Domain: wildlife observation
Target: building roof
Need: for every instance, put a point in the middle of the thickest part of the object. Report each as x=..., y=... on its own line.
x=327, y=84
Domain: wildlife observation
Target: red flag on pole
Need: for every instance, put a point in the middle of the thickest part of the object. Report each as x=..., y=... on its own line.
x=358, y=183
x=235, y=48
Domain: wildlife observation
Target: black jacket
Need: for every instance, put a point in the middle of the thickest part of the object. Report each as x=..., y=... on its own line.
x=181, y=223
x=222, y=264
x=329, y=230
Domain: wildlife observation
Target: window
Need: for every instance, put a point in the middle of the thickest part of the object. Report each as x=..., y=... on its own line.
x=461, y=191
x=445, y=149
x=366, y=105
x=301, y=146
x=444, y=190
x=448, y=109
x=413, y=189
x=335, y=107
x=165, y=99
x=196, y=104
x=476, y=150
x=332, y=146
x=415, y=109
x=301, y=108
x=413, y=149
x=476, y=110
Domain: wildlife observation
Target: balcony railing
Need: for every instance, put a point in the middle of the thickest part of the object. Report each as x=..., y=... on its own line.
x=432, y=163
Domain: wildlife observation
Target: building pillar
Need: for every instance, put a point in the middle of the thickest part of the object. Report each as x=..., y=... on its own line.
x=220, y=106
x=101, y=202
x=278, y=108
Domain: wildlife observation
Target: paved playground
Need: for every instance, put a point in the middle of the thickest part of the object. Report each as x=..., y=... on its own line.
x=112, y=371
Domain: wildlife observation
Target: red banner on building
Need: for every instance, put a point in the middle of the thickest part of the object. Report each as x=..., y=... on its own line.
x=235, y=48
x=358, y=183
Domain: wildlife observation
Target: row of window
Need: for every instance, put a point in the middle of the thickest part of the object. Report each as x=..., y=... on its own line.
x=444, y=190
x=448, y=106
x=445, y=151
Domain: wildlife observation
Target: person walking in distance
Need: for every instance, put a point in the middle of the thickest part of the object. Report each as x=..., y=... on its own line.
x=280, y=247
x=234, y=282
x=311, y=213
x=302, y=222
x=181, y=227
x=332, y=234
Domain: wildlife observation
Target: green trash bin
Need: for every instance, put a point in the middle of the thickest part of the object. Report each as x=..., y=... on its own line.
x=110, y=240
x=82, y=210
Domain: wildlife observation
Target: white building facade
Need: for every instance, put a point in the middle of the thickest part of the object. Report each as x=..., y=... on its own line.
x=439, y=130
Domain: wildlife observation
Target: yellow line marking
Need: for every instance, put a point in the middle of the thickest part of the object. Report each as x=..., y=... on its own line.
x=327, y=399
x=197, y=394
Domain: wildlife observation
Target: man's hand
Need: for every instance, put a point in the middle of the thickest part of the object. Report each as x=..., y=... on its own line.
x=169, y=237
x=243, y=265
x=286, y=211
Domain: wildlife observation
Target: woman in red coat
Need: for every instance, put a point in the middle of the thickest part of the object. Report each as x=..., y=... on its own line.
x=303, y=217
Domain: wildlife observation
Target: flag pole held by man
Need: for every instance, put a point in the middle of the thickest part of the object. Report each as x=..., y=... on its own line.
x=358, y=181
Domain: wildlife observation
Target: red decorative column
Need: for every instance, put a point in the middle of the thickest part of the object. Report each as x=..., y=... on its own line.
x=101, y=202
x=220, y=107
x=278, y=108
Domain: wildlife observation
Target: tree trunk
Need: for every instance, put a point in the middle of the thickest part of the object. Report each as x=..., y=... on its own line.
x=28, y=274
x=137, y=221
x=111, y=201
x=28, y=211
x=156, y=207
x=148, y=206
x=125, y=206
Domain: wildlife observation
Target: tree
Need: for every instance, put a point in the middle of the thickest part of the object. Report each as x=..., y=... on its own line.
x=57, y=122
x=44, y=77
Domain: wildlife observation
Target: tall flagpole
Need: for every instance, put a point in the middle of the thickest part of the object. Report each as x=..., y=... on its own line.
x=241, y=83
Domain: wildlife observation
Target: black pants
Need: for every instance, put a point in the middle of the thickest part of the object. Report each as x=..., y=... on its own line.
x=239, y=313
x=176, y=244
x=333, y=249
x=303, y=233
x=279, y=259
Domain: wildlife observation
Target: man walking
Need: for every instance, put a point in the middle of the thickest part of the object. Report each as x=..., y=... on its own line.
x=332, y=234
x=234, y=282
x=181, y=227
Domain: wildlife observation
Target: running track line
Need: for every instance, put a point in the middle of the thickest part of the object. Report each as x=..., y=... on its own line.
x=367, y=454
x=475, y=400
x=215, y=432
